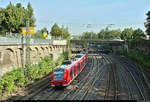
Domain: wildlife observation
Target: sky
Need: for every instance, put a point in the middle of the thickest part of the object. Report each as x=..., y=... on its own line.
x=87, y=15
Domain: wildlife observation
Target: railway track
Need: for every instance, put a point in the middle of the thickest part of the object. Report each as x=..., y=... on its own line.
x=111, y=89
x=46, y=92
x=82, y=81
x=135, y=82
x=30, y=89
x=101, y=73
x=90, y=83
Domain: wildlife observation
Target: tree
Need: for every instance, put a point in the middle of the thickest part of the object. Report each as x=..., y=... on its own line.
x=30, y=14
x=147, y=24
x=77, y=37
x=2, y=18
x=101, y=34
x=12, y=18
x=56, y=31
x=38, y=34
x=115, y=33
x=65, y=33
x=127, y=33
x=44, y=30
x=104, y=34
x=138, y=34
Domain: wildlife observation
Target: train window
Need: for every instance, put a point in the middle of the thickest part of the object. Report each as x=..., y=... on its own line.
x=72, y=70
x=58, y=74
x=78, y=56
x=78, y=67
x=66, y=62
x=71, y=73
x=75, y=69
x=82, y=63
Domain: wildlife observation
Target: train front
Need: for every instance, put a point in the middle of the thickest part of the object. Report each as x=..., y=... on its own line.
x=58, y=76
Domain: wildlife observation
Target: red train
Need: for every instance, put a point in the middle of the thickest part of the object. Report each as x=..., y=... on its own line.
x=64, y=74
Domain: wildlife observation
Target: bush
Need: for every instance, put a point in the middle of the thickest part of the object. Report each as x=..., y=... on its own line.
x=20, y=79
x=16, y=78
x=43, y=66
x=61, y=58
x=142, y=59
x=11, y=80
x=8, y=82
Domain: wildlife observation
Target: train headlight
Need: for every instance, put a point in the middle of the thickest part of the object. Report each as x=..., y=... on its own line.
x=64, y=80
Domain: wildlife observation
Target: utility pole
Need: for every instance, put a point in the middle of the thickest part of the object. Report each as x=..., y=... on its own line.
x=27, y=43
x=22, y=53
x=62, y=31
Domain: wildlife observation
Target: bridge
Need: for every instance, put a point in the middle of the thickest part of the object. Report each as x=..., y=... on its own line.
x=98, y=41
x=117, y=44
x=11, y=51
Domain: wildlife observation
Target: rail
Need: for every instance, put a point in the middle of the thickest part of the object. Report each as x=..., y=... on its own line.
x=6, y=40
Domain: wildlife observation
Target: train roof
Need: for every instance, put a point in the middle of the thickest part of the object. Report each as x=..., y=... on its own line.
x=67, y=63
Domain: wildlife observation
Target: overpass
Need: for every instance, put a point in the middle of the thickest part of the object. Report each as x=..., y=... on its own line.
x=98, y=41
x=116, y=43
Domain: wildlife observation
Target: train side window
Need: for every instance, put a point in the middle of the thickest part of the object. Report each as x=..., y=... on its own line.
x=75, y=70
x=71, y=73
x=83, y=63
x=78, y=67
x=72, y=70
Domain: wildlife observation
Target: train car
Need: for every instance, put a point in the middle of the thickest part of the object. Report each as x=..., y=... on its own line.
x=64, y=74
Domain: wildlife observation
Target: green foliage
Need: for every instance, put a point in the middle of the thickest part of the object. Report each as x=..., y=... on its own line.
x=39, y=34
x=16, y=78
x=11, y=80
x=89, y=35
x=109, y=34
x=147, y=24
x=65, y=33
x=14, y=17
x=42, y=68
x=127, y=33
x=77, y=37
x=138, y=34
x=56, y=31
x=60, y=60
x=142, y=59
x=30, y=14
x=63, y=56
x=115, y=33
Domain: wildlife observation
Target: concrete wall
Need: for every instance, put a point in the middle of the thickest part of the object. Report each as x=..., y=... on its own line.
x=10, y=54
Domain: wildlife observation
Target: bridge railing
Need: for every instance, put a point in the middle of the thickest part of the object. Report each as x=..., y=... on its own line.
x=5, y=40
x=99, y=39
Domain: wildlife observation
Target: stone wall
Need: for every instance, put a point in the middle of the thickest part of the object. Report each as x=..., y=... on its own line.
x=11, y=54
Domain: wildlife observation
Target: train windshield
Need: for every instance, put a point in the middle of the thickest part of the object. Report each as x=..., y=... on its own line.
x=78, y=56
x=66, y=62
x=58, y=74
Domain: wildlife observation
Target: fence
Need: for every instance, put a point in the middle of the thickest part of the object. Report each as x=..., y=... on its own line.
x=5, y=40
